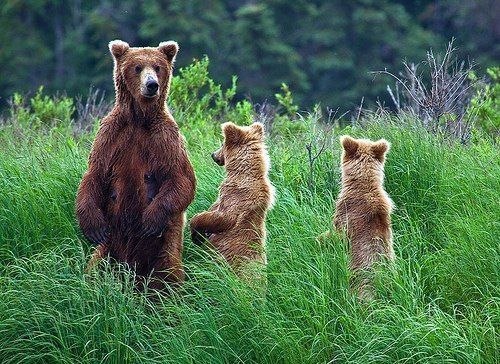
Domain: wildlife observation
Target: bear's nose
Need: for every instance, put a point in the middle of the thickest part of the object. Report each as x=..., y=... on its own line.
x=152, y=86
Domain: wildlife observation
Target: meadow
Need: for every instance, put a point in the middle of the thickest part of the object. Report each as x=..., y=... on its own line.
x=440, y=303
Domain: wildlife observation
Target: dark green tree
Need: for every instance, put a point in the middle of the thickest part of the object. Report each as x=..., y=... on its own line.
x=261, y=58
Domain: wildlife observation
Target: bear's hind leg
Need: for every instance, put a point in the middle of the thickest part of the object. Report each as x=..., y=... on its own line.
x=168, y=267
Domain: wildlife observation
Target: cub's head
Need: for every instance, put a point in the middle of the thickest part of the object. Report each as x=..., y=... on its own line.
x=143, y=73
x=241, y=144
x=363, y=157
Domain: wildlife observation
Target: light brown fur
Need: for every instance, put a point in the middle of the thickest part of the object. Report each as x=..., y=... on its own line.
x=235, y=224
x=363, y=208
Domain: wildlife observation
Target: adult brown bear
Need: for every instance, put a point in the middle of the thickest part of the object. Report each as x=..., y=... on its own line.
x=132, y=199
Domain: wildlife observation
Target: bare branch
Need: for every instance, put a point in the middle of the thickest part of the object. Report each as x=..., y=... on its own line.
x=442, y=104
x=89, y=110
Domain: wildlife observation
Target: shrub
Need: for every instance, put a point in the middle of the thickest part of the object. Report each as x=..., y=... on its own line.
x=196, y=98
x=286, y=121
x=485, y=105
x=41, y=111
x=285, y=100
x=438, y=96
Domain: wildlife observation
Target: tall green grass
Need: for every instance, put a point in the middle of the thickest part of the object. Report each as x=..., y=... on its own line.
x=439, y=304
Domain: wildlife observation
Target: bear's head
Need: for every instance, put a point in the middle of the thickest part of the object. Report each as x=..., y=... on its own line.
x=143, y=73
x=243, y=146
x=362, y=158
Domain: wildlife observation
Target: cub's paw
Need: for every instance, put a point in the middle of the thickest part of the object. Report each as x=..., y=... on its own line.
x=198, y=237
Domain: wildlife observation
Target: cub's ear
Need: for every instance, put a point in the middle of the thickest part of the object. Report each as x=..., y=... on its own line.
x=349, y=144
x=233, y=134
x=380, y=149
x=258, y=130
x=169, y=49
x=118, y=48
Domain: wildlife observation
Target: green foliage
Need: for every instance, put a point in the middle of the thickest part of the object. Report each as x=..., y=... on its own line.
x=283, y=128
x=287, y=122
x=485, y=105
x=471, y=23
x=197, y=99
x=261, y=58
x=285, y=100
x=42, y=111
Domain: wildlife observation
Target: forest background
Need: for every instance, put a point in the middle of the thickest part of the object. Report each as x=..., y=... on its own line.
x=323, y=50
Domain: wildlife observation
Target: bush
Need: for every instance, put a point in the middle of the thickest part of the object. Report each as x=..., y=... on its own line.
x=438, y=97
x=41, y=111
x=285, y=100
x=285, y=121
x=197, y=99
x=485, y=105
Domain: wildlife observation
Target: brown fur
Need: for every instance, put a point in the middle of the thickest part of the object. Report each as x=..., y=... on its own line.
x=139, y=182
x=235, y=224
x=363, y=209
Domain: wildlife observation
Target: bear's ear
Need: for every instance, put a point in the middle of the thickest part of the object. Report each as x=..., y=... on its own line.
x=233, y=135
x=118, y=48
x=169, y=49
x=349, y=144
x=380, y=149
x=258, y=130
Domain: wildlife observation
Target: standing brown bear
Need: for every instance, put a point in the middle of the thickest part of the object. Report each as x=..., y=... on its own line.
x=132, y=199
x=235, y=224
x=363, y=208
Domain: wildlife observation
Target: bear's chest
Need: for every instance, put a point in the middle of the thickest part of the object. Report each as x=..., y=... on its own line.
x=135, y=152
x=135, y=172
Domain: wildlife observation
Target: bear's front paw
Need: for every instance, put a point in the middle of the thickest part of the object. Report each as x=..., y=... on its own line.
x=97, y=235
x=151, y=227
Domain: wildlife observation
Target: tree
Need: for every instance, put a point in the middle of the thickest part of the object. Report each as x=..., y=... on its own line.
x=261, y=59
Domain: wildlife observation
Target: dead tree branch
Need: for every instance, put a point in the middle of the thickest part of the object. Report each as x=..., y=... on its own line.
x=439, y=95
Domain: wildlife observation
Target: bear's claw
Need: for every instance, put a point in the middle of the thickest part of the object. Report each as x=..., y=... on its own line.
x=152, y=230
x=98, y=236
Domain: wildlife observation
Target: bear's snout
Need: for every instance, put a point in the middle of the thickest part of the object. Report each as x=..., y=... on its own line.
x=217, y=160
x=151, y=86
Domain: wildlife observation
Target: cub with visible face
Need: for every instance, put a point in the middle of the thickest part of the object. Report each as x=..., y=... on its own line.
x=235, y=224
x=363, y=208
x=132, y=199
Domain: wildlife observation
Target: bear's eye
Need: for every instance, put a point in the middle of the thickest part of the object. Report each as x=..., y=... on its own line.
x=138, y=69
x=157, y=68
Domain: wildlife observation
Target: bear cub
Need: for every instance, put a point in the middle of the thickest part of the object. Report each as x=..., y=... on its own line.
x=363, y=208
x=235, y=224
